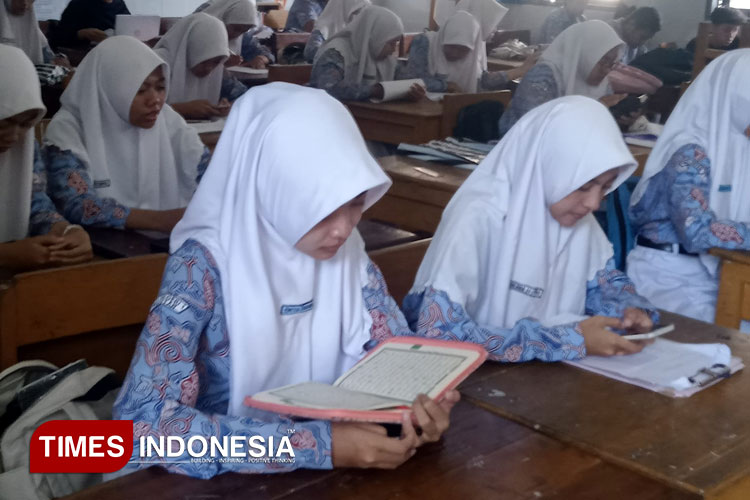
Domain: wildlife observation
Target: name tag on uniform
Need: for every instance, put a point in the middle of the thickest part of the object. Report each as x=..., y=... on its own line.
x=725, y=188
x=102, y=184
x=288, y=310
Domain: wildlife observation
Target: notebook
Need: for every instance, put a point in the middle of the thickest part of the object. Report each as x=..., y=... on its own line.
x=141, y=27
x=382, y=386
x=397, y=89
x=248, y=73
x=675, y=369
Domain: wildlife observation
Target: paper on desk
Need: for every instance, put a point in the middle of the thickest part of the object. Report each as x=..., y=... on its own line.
x=204, y=127
x=664, y=366
x=397, y=89
x=244, y=70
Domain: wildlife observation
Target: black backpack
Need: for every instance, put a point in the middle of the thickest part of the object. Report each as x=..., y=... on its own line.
x=479, y=122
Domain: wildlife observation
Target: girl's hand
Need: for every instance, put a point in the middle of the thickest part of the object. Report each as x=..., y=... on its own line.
x=601, y=341
x=636, y=321
x=417, y=92
x=365, y=445
x=431, y=417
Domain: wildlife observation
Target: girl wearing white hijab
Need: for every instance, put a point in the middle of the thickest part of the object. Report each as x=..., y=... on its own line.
x=117, y=156
x=334, y=18
x=488, y=14
x=693, y=194
x=19, y=27
x=26, y=207
x=268, y=284
x=518, y=258
x=576, y=63
x=237, y=15
x=195, y=49
x=352, y=62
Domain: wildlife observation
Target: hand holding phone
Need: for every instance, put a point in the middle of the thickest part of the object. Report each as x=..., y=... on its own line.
x=658, y=331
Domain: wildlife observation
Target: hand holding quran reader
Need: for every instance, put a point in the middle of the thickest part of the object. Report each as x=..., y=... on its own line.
x=402, y=376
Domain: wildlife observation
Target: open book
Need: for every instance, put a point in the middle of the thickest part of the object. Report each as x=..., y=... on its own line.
x=383, y=385
x=672, y=368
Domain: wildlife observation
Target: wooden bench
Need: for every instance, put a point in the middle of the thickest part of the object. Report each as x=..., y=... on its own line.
x=290, y=73
x=48, y=313
x=398, y=121
x=733, y=301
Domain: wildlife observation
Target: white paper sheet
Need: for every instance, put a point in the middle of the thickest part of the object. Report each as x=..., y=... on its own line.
x=204, y=127
x=397, y=89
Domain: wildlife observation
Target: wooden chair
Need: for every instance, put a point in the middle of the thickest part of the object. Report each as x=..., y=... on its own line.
x=733, y=301
x=276, y=19
x=45, y=310
x=291, y=73
x=399, y=265
x=454, y=103
x=431, y=22
x=704, y=54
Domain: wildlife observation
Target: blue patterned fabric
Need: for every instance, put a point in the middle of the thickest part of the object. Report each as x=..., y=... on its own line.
x=43, y=211
x=302, y=12
x=70, y=187
x=433, y=314
x=536, y=88
x=329, y=74
x=178, y=381
x=675, y=207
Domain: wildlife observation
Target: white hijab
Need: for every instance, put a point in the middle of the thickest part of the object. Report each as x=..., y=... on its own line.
x=21, y=93
x=194, y=39
x=22, y=31
x=460, y=29
x=234, y=12
x=714, y=113
x=142, y=168
x=362, y=41
x=336, y=15
x=258, y=198
x=574, y=53
x=498, y=251
x=488, y=14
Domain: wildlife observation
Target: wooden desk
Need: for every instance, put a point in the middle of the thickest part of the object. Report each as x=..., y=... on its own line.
x=733, y=301
x=481, y=456
x=116, y=244
x=699, y=445
x=416, y=200
x=640, y=154
x=398, y=121
x=210, y=139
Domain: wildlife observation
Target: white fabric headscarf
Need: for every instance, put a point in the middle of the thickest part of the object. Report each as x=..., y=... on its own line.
x=22, y=31
x=141, y=168
x=498, y=251
x=21, y=93
x=362, y=41
x=336, y=15
x=258, y=198
x=715, y=114
x=234, y=12
x=574, y=53
x=460, y=29
x=488, y=14
x=194, y=39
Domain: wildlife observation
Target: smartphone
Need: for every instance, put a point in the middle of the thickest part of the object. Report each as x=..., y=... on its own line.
x=658, y=331
x=630, y=104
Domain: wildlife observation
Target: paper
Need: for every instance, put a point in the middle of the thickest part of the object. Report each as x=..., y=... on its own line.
x=664, y=366
x=246, y=72
x=397, y=89
x=315, y=395
x=49, y=9
x=401, y=374
x=141, y=27
x=207, y=126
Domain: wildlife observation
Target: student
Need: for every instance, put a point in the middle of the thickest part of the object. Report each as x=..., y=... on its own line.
x=26, y=207
x=518, y=257
x=561, y=19
x=117, y=156
x=303, y=13
x=336, y=15
x=446, y=60
x=635, y=30
x=726, y=26
x=195, y=49
x=84, y=22
x=352, y=62
x=693, y=193
x=577, y=63
x=488, y=14
x=19, y=27
x=275, y=288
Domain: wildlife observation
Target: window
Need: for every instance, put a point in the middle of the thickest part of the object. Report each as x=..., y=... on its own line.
x=740, y=4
